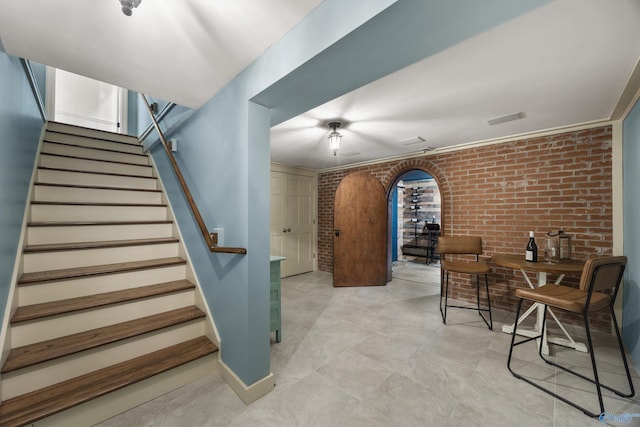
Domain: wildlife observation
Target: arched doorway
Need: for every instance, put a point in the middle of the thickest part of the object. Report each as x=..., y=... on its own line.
x=415, y=213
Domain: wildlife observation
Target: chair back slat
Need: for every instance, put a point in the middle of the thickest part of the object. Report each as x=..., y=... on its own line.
x=460, y=245
x=602, y=273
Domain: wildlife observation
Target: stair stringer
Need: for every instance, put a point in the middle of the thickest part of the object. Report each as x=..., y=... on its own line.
x=210, y=327
x=248, y=393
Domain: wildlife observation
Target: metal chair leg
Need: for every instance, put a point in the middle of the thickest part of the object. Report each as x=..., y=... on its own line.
x=595, y=380
x=443, y=312
x=489, y=322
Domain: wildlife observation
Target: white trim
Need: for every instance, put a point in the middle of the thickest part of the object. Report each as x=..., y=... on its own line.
x=250, y=393
x=629, y=95
x=50, y=93
x=474, y=144
x=278, y=167
x=617, y=202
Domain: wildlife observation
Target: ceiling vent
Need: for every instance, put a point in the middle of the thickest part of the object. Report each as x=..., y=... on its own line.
x=411, y=141
x=507, y=118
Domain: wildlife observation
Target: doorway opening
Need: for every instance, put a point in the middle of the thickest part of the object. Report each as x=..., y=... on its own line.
x=81, y=101
x=416, y=213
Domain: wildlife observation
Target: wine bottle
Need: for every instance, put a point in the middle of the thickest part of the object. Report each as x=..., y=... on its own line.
x=531, y=253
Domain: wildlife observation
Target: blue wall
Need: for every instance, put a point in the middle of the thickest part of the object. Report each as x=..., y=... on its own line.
x=20, y=126
x=631, y=176
x=224, y=145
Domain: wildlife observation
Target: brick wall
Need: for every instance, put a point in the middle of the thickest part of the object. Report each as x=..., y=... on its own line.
x=501, y=192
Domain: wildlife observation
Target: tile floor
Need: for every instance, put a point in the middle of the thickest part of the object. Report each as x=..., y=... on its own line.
x=380, y=356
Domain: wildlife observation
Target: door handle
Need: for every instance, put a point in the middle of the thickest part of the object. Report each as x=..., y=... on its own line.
x=337, y=233
x=284, y=230
x=288, y=230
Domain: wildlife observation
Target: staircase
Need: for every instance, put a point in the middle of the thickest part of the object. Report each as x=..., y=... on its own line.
x=106, y=314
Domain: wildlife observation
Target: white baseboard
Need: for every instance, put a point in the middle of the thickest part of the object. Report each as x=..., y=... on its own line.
x=250, y=393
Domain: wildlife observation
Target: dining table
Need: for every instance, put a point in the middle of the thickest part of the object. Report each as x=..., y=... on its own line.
x=541, y=269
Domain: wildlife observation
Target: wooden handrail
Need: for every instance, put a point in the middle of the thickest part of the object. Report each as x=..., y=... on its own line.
x=209, y=238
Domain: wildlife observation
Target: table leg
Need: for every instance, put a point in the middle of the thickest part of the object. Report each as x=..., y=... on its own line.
x=539, y=308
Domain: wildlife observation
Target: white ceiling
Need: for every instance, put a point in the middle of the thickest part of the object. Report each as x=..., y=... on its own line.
x=561, y=64
x=207, y=42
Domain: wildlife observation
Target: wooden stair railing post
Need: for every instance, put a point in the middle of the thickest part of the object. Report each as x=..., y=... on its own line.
x=208, y=237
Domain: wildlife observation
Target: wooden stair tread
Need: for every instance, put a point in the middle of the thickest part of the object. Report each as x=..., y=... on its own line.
x=97, y=148
x=67, y=156
x=128, y=175
x=39, y=311
x=96, y=187
x=158, y=205
x=97, y=245
x=99, y=223
x=134, y=140
x=33, y=354
x=95, y=270
x=50, y=400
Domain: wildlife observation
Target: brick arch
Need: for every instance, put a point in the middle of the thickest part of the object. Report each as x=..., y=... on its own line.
x=392, y=176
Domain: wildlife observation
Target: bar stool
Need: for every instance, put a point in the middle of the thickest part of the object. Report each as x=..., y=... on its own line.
x=598, y=274
x=463, y=245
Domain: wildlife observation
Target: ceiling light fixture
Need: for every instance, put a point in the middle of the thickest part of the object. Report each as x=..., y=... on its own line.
x=129, y=5
x=335, y=137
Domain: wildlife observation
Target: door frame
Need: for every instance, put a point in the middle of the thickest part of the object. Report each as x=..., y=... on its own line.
x=389, y=193
x=50, y=100
x=275, y=167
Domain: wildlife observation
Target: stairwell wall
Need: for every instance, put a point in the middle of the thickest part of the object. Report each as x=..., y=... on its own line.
x=224, y=156
x=21, y=125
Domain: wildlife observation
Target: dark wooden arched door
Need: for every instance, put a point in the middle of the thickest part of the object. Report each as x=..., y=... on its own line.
x=360, y=232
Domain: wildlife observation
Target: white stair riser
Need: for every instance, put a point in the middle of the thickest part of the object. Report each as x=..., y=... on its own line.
x=43, y=235
x=59, y=326
x=83, y=141
x=92, y=133
x=56, y=260
x=97, y=213
x=59, y=162
x=47, y=373
x=45, y=193
x=72, y=288
x=100, y=180
x=90, y=153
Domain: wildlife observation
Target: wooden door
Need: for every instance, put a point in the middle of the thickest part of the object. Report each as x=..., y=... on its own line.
x=360, y=232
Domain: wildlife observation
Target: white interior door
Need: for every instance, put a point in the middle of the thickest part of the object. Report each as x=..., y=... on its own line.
x=292, y=225
x=82, y=101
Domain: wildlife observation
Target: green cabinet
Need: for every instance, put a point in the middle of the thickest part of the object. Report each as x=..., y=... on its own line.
x=275, y=297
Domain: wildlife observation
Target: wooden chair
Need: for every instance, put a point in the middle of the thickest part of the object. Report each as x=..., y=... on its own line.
x=463, y=245
x=598, y=274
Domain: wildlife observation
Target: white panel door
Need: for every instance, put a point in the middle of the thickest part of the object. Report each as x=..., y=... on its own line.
x=299, y=221
x=278, y=204
x=292, y=228
x=82, y=101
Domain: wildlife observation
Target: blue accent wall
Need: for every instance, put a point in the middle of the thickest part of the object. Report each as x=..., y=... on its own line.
x=631, y=176
x=224, y=145
x=20, y=128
